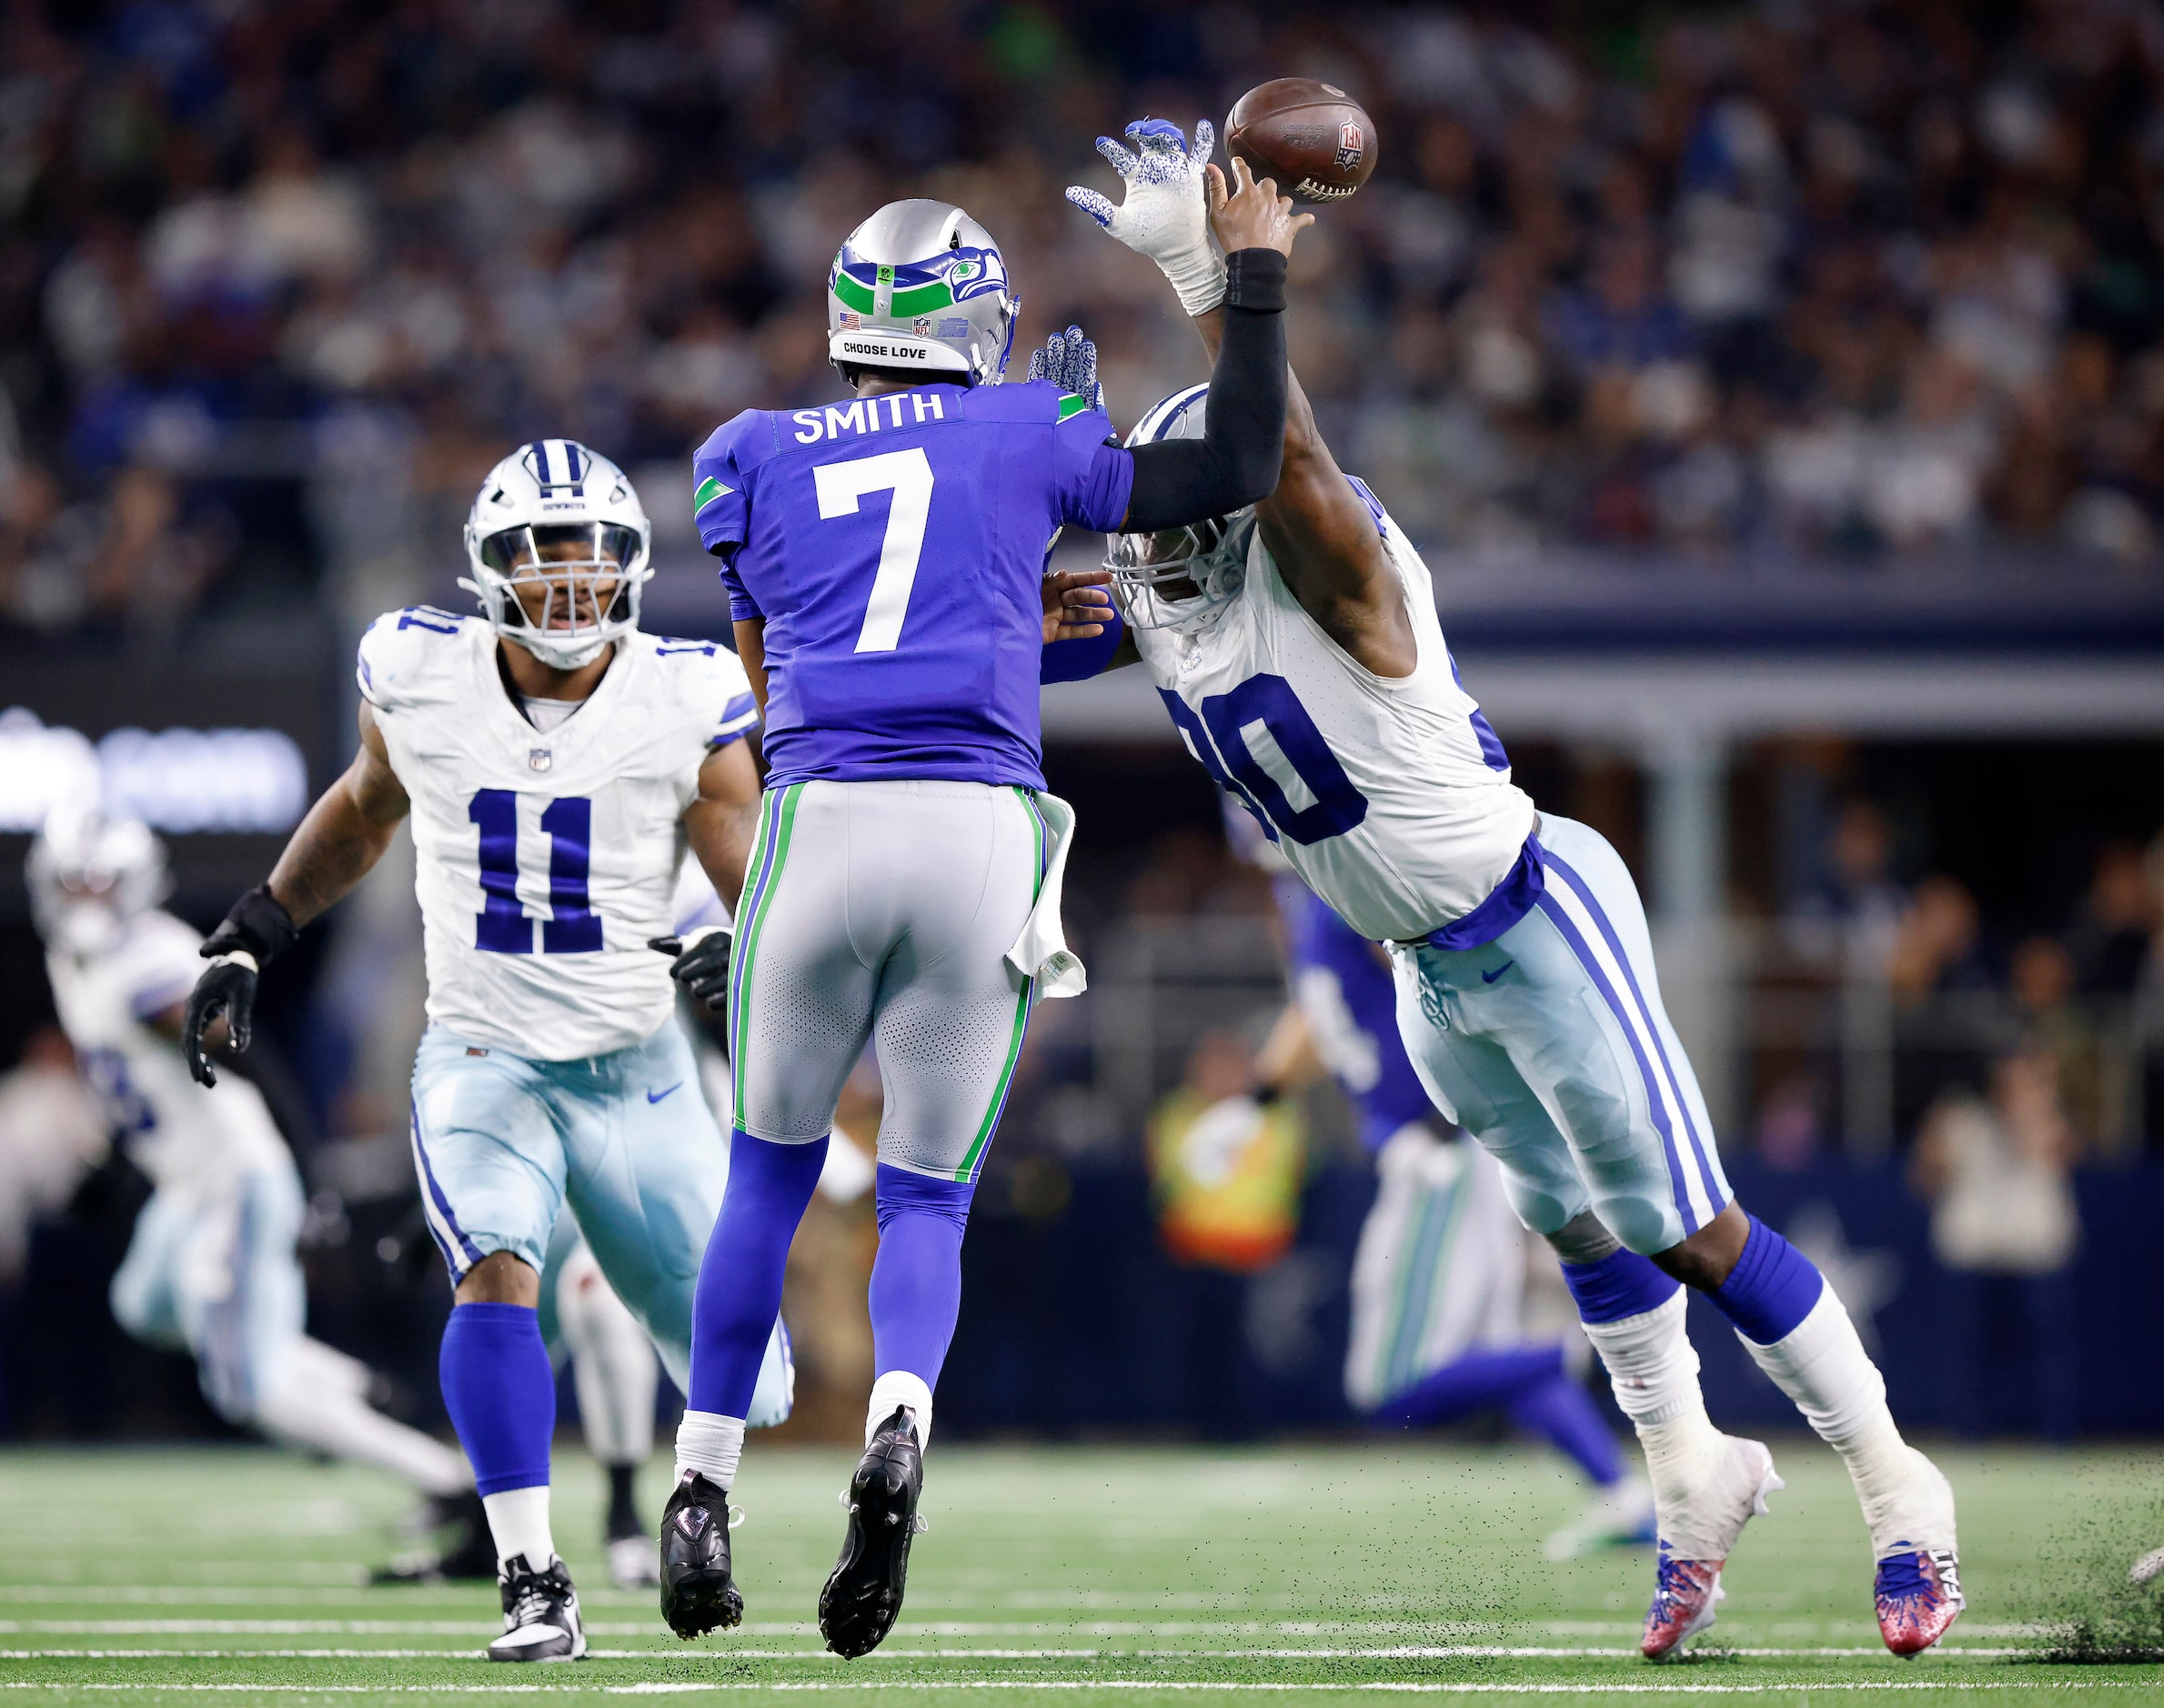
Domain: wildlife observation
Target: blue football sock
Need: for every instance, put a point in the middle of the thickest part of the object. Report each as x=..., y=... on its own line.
x=500, y=1392
x=1771, y=1289
x=1560, y=1413
x=916, y=1279
x=739, y=1278
x=1471, y=1383
x=1622, y=1284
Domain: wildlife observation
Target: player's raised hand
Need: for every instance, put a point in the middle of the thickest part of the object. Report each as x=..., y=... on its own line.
x=1163, y=213
x=1070, y=361
x=700, y=964
x=1076, y=605
x=1249, y=213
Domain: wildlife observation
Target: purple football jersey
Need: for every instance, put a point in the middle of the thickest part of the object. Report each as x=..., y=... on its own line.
x=894, y=546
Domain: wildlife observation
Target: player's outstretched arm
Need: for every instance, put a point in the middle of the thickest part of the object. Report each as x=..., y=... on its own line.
x=1321, y=533
x=1235, y=462
x=1323, y=537
x=344, y=834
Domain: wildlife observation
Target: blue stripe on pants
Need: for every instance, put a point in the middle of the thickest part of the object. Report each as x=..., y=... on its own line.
x=1654, y=1096
x=443, y=1207
x=1583, y=892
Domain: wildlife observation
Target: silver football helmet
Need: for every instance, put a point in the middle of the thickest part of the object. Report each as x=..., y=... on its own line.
x=560, y=547
x=89, y=875
x=1209, y=556
x=921, y=286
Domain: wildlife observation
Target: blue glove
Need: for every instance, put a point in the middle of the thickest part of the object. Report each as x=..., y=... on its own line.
x=1070, y=362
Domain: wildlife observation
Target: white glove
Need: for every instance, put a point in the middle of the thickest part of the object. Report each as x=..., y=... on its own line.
x=1165, y=214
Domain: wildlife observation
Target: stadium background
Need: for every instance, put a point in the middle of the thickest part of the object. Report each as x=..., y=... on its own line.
x=1777, y=393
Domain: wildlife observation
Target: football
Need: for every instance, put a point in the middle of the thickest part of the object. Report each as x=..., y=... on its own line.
x=1315, y=140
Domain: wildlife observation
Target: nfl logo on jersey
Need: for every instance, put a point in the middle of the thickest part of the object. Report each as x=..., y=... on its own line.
x=541, y=759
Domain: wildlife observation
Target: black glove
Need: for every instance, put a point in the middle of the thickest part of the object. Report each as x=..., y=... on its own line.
x=701, y=964
x=257, y=928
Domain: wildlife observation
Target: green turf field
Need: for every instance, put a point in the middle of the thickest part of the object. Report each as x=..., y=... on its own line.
x=1134, y=1576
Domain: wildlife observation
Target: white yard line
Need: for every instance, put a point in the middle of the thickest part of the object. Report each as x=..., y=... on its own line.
x=1424, y=1688
x=1445, y=1652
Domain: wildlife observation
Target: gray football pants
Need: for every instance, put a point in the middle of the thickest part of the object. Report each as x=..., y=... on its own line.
x=883, y=913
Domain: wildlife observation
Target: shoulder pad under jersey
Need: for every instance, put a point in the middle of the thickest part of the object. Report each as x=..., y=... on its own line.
x=403, y=652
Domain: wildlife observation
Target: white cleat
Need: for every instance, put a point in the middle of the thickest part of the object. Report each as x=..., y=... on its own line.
x=1695, y=1542
x=2149, y=1568
x=1619, y=1516
x=541, y=1614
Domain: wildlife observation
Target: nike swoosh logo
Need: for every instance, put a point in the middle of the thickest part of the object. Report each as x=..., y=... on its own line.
x=1490, y=978
x=655, y=1097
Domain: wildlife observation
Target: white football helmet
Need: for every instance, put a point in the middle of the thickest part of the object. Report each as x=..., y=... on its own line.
x=89, y=875
x=1211, y=555
x=554, y=518
x=921, y=287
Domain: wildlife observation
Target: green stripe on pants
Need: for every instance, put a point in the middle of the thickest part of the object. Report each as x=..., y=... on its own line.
x=774, y=829
x=1021, y=1014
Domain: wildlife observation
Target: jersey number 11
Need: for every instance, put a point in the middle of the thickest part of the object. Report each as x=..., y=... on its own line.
x=573, y=928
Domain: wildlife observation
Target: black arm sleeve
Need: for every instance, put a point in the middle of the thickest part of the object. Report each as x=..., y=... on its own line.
x=1236, y=461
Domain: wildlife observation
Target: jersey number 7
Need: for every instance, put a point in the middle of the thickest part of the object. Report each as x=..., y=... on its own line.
x=908, y=476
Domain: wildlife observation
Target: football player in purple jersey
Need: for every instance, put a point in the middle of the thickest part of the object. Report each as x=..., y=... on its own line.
x=885, y=559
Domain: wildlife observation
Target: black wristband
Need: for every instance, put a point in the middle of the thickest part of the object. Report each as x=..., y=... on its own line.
x=1254, y=279
x=259, y=924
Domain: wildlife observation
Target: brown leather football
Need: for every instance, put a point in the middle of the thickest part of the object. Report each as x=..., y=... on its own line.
x=1313, y=137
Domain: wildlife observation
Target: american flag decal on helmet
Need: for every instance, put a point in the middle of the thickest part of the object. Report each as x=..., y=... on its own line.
x=557, y=466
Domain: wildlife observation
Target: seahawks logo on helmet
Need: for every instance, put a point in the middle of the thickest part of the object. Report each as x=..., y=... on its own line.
x=930, y=279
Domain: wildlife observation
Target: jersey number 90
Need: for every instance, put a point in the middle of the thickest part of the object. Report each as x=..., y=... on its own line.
x=1306, y=795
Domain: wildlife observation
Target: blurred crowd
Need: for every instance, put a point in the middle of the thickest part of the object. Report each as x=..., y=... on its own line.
x=1960, y=995
x=1806, y=280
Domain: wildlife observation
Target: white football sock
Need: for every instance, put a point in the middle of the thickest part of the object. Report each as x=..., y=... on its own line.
x=897, y=1387
x=331, y=1418
x=613, y=1366
x=1654, y=1369
x=1822, y=1366
x=518, y=1522
x=710, y=1444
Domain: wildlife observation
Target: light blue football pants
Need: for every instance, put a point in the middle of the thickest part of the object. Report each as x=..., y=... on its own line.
x=502, y=1143
x=217, y=1275
x=1550, y=1046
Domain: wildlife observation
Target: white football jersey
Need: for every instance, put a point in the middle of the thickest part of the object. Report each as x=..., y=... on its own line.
x=185, y=1137
x=1391, y=797
x=545, y=861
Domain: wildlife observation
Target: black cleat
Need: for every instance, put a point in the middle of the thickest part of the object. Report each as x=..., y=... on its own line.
x=863, y=1593
x=541, y=1614
x=697, y=1592
x=468, y=1551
